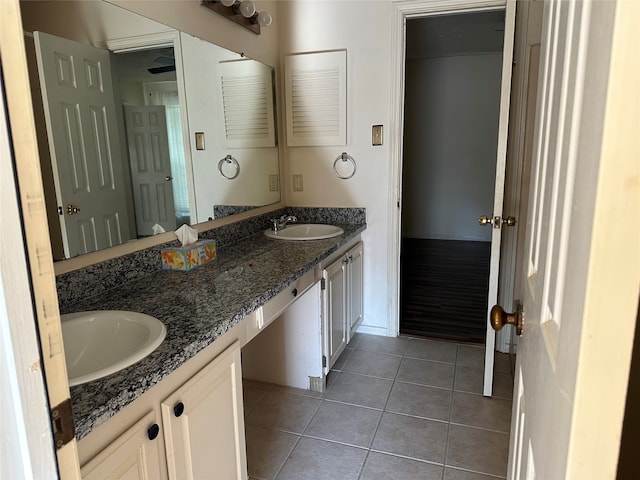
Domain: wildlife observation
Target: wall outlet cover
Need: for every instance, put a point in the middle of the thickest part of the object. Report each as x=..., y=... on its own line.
x=297, y=183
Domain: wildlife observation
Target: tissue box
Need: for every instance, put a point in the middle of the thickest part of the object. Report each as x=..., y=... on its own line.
x=189, y=257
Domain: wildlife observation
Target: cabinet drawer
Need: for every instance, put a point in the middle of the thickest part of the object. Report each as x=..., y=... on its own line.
x=274, y=307
x=277, y=304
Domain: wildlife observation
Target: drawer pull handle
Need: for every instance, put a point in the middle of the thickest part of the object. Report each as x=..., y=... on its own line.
x=294, y=292
x=153, y=431
x=178, y=409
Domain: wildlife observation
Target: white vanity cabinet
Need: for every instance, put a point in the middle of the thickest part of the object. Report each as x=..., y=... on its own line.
x=342, y=302
x=193, y=431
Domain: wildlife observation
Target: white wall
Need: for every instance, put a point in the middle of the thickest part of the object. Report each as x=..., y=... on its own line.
x=364, y=30
x=450, y=132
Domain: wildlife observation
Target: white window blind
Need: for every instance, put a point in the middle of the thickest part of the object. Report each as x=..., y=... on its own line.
x=316, y=98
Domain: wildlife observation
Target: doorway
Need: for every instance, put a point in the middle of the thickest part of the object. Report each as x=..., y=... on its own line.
x=453, y=71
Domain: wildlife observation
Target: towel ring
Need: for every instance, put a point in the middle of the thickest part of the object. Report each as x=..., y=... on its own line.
x=232, y=161
x=344, y=156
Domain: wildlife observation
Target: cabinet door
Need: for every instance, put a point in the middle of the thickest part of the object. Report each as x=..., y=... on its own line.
x=204, y=423
x=136, y=454
x=354, y=290
x=335, y=321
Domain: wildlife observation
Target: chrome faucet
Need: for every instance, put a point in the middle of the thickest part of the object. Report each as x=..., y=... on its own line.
x=280, y=223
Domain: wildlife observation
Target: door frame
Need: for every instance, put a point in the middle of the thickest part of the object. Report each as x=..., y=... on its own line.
x=403, y=11
x=159, y=40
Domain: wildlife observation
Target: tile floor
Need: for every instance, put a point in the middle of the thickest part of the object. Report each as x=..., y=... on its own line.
x=396, y=408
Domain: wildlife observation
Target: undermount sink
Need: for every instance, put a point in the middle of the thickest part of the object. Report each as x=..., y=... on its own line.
x=305, y=231
x=99, y=343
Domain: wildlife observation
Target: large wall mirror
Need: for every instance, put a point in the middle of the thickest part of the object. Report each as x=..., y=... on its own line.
x=143, y=128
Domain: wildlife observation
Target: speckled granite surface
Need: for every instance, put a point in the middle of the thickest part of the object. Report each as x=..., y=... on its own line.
x=100, y=278
x=196, y=307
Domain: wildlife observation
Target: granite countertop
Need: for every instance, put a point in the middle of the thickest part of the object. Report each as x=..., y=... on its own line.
x=196, y=307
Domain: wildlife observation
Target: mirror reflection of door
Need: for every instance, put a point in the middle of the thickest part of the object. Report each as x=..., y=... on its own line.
x=151, y=178
x=83, y=136
x=147, y=78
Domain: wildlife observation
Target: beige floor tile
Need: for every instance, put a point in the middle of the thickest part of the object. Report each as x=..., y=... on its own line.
x=481, y=451
x=297, y=391
x=470, y=355
x=342, y=359
x=425, y=372
x=421, y=401
x=344, y=423
x=411, y=437
x=378, y=344
x=251, y=395
x=314, y=459
x=373, y=364
x=267, y=450
x=380, y=466
x=360, y=390
x=482, y=412
x=470, y=379
x=431, y=350
x=502, y=362
x=284, y=411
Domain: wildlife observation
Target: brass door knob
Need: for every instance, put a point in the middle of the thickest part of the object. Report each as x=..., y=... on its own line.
x=485, y=220
x=499, y=318
x=509, y=221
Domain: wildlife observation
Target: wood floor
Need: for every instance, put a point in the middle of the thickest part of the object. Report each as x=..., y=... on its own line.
x=444, y=285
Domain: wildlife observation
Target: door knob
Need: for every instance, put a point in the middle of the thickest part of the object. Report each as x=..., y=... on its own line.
x=168, y=178
x=509, y=221
x=485, y=220
x=72, y=209
x=499, y=318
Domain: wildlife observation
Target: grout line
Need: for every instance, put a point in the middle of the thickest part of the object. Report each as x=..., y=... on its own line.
x=407, y=457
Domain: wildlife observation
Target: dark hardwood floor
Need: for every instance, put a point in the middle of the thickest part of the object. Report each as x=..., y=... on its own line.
x=444, y=285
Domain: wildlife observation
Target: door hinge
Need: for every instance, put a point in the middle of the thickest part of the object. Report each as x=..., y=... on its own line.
x=62, y=423
x=323, y=284
x=324, y=361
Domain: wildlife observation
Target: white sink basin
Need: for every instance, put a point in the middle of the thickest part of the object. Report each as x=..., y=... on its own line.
x=305, y=231
x=99, y=343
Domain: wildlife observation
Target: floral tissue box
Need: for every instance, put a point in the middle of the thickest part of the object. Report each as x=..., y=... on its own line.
x=189, y=257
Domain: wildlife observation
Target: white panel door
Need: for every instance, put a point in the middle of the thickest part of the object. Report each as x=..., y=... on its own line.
x=150, y=164
x=498, y=198
x=582, y=262
x=80, y=114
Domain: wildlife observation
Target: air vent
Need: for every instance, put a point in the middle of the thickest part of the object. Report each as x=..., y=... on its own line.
x=247, y=98
x=315, y=87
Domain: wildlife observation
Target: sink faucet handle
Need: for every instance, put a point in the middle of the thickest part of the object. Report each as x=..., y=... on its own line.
x=275, y=224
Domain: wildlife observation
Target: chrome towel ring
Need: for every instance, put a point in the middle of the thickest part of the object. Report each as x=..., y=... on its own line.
x=230, y=160
x=345, y=157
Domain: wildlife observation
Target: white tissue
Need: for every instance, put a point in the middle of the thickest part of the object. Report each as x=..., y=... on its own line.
x=186, y=235
x=157, y=229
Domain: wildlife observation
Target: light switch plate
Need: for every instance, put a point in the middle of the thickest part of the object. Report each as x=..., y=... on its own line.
x=273, y=183
x=376, y=135
x=297, y=183
x=199, y=140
